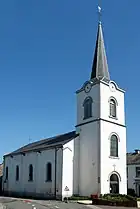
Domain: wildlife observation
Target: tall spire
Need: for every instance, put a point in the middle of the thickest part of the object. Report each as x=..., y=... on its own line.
x=100, y=66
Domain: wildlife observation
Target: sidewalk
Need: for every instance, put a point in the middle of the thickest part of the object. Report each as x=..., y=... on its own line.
x=85, y=202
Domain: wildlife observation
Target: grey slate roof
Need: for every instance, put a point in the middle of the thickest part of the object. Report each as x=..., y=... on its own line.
x=133, y=158
x=55, y=141
x=100, y=66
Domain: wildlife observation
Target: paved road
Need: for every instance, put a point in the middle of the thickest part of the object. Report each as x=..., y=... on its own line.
x=35, y=204
x=110, y=207
x=61, y=205
x=13, y=203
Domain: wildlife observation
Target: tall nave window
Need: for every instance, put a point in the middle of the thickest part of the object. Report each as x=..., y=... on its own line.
x=17, y=173
x=6, y=175
x=30, y=172
x=49, y=172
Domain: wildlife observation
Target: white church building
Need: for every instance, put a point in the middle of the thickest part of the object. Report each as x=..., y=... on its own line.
x=89, y=160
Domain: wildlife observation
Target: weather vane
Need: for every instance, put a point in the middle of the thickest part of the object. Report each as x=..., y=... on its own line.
x=99, y=10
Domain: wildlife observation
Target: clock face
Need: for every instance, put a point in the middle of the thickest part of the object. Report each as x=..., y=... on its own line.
x=112, y=87
x=87, y=87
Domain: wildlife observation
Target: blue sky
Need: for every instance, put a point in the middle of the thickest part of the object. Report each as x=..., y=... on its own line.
x=46, y=51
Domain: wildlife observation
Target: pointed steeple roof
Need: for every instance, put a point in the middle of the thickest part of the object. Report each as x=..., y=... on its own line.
x=100, y=66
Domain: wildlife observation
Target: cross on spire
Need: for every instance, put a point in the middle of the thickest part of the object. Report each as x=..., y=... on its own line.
x=99, y=13
x=99, y=10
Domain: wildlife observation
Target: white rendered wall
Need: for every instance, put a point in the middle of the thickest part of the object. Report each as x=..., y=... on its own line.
x=67, y=176
x=95, y=163
x=113, y=164
x=39, y=185
x=89, y=161
x=105, y=95
x=81, y=96
x=112, y=126
x=88, y=143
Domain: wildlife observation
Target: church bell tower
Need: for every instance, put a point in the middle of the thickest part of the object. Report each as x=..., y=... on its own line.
x=101, y=148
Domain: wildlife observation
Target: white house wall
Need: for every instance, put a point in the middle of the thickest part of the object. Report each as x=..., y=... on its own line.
x=132, y=176
x=67, y=176
x=39, y=185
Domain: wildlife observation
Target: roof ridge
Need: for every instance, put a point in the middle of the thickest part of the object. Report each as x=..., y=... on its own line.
x=35, y=145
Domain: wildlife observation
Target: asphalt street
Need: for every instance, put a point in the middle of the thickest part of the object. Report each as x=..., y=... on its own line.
x=13, y=203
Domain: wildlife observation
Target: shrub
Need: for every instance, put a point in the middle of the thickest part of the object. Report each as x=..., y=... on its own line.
x=118, y=197
x=131, y=192
x=116, y=200
x=79, y=198
x=131, y=197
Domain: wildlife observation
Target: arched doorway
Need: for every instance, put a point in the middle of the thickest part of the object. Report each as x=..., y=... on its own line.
x=114, y=184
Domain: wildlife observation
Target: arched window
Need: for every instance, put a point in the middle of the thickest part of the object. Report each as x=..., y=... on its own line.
x=112, y=104
x=6, y=175
x=17, y=173
x=30, y=172
x=87, y=107
x=49, y=171
x=114, y=146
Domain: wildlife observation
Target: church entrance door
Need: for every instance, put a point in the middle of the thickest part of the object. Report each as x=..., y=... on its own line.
x=114, y=184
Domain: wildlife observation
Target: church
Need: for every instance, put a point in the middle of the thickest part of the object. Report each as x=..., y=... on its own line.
x=88, y=160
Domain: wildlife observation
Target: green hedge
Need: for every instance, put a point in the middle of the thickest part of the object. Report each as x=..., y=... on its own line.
x=116, y=199
x=79, y=198
x=131, y=192
x=126, y=203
